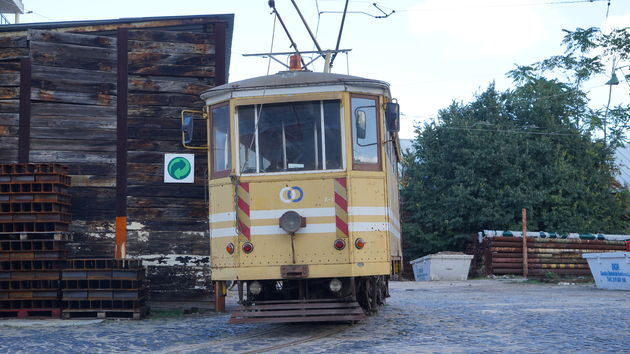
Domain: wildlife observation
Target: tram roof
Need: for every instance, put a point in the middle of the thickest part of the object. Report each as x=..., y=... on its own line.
x=296, y=80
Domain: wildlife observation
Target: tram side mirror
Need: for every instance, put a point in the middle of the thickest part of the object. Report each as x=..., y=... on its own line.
x=188, y=127
x=361, y=123
x=392, y=117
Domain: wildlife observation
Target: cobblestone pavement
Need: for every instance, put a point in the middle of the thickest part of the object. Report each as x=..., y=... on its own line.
x=471, y=316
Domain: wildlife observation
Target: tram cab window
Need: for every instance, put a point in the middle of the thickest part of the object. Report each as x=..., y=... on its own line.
x=365, y=140
x=288, y=136
x=221, y=160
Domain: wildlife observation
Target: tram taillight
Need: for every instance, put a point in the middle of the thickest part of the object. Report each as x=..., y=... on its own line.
x=340, y=244
x=247, y=247
x=230, y=248
x=359, y=243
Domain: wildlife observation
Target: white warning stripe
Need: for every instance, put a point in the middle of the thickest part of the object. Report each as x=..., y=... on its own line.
x=221, y=217
x=223, y=232
x=309, y=229
x=277, y=213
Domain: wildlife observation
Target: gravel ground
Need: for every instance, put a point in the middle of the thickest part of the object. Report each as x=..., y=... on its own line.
x=490, y=315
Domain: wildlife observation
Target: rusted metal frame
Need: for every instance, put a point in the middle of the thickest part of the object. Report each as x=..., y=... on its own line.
x=297, y=306
x=121, y=141
x=300, y=312
x=220, y=74
x=24, y=125
x=219, y=296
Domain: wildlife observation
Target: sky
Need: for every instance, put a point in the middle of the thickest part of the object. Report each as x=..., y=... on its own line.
x=432, y=52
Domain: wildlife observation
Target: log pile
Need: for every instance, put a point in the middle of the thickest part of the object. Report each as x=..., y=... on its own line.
x=559, y=257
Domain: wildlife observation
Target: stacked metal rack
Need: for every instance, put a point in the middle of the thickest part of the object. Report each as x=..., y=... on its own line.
x=34, y=219
x=34, y=197
x=103, y=288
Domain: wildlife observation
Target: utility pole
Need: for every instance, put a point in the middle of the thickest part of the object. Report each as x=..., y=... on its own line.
x=524, y=217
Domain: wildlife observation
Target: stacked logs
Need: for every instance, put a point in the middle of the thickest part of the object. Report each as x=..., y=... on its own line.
x=561, y=257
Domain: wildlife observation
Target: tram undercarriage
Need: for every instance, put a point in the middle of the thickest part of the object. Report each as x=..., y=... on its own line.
x=310, y=299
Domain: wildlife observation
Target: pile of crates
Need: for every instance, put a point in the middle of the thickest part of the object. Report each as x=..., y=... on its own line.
x=34, y=219
x=37, y=280
x=34, y=198
x=30, y=269
x=103, y=288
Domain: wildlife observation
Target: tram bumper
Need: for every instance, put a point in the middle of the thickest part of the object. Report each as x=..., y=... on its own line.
x=286, y=311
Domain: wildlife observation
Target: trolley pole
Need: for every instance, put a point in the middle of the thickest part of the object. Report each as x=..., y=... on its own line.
x=525, y=265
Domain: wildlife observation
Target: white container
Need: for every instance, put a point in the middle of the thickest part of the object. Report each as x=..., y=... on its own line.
x=441, y=266
x=611, y=270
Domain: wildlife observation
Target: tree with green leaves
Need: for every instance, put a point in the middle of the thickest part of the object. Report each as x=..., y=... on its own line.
x=537, y=146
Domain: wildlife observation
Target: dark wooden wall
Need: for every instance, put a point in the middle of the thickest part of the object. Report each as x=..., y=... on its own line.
x=11, y=49
x=167, y=72
x=73, y=121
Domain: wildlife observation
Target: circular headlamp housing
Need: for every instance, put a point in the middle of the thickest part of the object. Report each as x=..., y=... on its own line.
x=335, y=285
x=247, y=247
x=291, y=221
x=255, y=287
x=229, y=248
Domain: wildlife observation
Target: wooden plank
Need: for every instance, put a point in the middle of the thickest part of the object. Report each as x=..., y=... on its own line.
x=73, y=56
x=144, y=173
x=166, y=213
x=17, y=41
x=93, y=181
x=191, y=86
x=74, y=122
x=9, y=119
x=148, y=144
x=9, y=67
x=9, y=93
x=10, y=79
x=69, y=133
x=8, y=131
x=84, y=98
x=142, y=59
x=8, y=142
x=171, y=36
x=155, y=111
x=8, y=156
x=69, y=83
x=9, y=106
x=170, y=48
x=55, y=74
x=92, y=169
x=154, y=133
x=171, y=190
x=71, y=38
x=173, y=70
x=13, y=53
x=165, y=99
x=66, y=157
x=72, y=145
x=42, y=109
x=160, y=202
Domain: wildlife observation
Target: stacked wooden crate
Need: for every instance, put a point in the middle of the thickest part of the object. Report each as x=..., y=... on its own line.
x=34, y=219
x=103, y=288
x=545, y=256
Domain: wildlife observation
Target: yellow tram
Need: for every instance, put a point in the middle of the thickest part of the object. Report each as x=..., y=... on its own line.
x=303, y=194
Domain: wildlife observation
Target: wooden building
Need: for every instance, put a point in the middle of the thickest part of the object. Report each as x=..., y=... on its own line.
x=104, y=98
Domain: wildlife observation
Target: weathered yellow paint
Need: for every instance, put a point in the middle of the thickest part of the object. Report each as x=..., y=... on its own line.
x=313, y=245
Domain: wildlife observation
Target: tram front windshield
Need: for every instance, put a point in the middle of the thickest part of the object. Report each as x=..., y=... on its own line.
x=290, y=136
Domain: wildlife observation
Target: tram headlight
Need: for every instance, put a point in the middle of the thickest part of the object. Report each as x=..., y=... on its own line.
x=255, y=288
x=335, y=285
x=291, y=221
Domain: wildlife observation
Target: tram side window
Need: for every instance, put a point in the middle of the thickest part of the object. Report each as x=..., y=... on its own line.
x=221, y=160
x=288, y=137
x=365, y=146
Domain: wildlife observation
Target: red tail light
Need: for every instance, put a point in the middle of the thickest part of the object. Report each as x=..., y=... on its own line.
x=248, y=247
x=230, y=248
x=359, y=243
x=340, y=244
